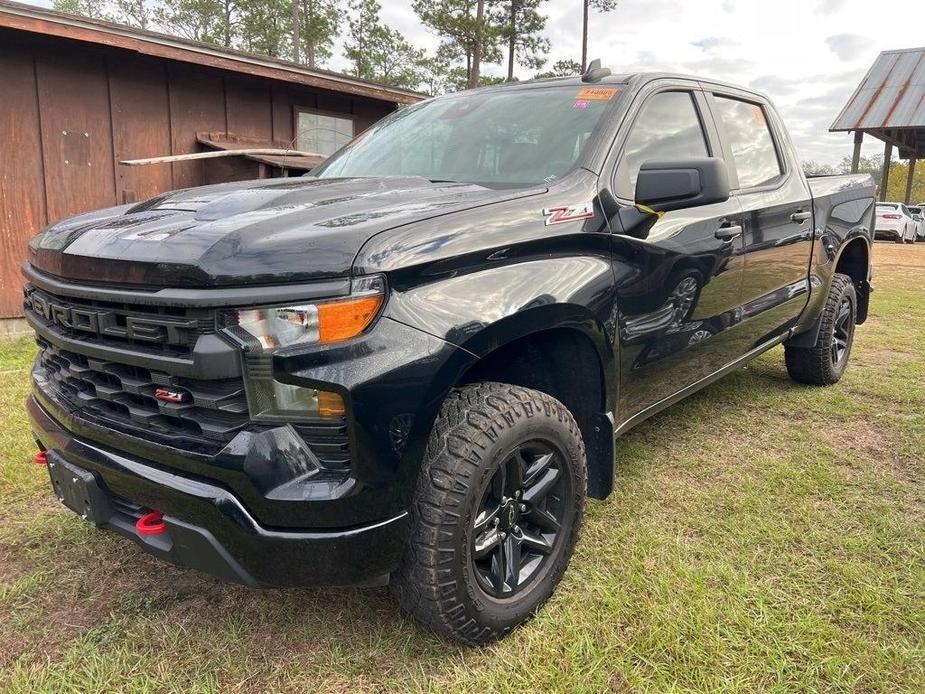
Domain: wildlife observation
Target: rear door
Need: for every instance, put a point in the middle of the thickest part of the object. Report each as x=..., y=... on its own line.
x=678, y=288
x=777, y=213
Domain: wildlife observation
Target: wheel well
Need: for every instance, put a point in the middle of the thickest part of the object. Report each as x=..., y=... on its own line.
x=562, y=363
x=854, y=261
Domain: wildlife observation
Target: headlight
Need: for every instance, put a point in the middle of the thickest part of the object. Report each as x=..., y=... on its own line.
x=264, y=330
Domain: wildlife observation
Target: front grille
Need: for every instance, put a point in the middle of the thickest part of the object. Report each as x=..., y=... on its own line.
x=125, y=395
x=160, y=330
x=108, y=360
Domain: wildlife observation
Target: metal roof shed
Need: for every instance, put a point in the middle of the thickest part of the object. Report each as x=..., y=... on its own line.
x=890, y=105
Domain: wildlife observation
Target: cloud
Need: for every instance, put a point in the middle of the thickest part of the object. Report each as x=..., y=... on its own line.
x=830, y=6
x=775, y=84
x=848, y=46
x=710, y=42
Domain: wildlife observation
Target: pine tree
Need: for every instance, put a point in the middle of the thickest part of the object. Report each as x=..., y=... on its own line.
x=95, y=9
x=520, y=24
x=136, y=13
x=317, y=27
x=561, y=68
x=200, y=20
x=600, y=6
x=468, y=31
x=264, y=26
x=378, y=53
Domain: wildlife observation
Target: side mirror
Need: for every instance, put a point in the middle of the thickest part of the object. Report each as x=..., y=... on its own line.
x=683, y=183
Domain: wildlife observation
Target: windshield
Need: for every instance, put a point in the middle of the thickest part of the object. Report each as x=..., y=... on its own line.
x=498, y=138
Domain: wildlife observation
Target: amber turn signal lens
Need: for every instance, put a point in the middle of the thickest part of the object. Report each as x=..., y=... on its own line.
x=330, y=404
x=341, y=320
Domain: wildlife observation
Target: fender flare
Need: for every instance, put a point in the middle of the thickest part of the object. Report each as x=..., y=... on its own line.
x=808, y=338
x=599, y=434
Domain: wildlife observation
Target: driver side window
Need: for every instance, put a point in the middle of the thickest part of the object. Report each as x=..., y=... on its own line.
x=668, y=127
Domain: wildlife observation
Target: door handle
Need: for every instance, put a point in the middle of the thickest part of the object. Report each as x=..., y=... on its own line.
x=728, y=231
x=800, y=216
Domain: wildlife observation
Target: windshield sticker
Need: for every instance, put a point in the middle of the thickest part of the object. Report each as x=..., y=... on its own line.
x=581, y=103
x=568, y=213
x=758, y=114
x=597, y=93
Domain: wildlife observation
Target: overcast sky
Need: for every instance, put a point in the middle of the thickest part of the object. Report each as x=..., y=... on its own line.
x=807, y=55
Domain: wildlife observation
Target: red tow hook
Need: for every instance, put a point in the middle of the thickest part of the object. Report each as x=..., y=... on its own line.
x=40, y=458
x=151, y=524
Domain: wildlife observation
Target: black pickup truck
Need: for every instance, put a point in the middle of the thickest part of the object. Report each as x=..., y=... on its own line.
x=410, y=366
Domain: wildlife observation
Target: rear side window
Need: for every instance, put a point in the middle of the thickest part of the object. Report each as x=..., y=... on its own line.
x=746, y=130
x=668, y=127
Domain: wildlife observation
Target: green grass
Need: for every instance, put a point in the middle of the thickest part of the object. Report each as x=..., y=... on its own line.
x=763, y=536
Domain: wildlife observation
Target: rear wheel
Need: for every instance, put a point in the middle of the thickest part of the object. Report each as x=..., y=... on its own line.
x=496, y=514
x=824, y=363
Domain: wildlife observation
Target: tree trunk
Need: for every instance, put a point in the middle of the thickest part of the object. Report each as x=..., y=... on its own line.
x=584, y=38
x=295, y=31
x=512, y=39
x=227, y=28
x=477, y=48
x=309, y=40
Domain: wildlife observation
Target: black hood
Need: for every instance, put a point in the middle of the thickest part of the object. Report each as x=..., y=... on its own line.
x=267, y=231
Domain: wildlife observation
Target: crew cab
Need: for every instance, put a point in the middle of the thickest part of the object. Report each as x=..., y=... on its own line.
x=410, y=366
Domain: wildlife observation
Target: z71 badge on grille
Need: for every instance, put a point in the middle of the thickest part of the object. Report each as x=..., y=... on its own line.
x=568, y=213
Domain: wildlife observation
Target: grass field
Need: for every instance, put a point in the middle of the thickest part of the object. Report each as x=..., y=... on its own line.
x=763, y=536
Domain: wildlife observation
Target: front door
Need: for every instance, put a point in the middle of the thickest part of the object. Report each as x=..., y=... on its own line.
x=678, y=288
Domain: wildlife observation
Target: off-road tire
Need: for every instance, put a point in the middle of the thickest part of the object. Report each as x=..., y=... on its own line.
x=815, y=365
x=478, y=426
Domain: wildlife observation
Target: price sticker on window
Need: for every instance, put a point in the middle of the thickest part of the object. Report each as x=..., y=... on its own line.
x=597, y=93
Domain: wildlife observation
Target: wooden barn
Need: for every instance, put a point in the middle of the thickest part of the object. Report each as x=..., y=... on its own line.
x=80, y=95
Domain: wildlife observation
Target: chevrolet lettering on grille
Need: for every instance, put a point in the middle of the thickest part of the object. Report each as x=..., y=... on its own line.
x=107, y=323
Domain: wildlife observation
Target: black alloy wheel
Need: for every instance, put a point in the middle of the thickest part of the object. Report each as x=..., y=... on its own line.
x=823, y=363
x=496, y=513
x=519, y=518
x=842, y=332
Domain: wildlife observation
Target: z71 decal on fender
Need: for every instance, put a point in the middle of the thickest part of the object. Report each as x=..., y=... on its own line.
x=568, y=213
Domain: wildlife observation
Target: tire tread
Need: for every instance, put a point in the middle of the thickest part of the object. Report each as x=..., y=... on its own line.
x=471, y=417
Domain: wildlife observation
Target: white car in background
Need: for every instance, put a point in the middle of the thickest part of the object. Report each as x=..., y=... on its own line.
x=895, y=222
x=918, y=214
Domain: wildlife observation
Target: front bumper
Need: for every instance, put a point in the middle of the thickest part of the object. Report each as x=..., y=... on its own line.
x=209, y=529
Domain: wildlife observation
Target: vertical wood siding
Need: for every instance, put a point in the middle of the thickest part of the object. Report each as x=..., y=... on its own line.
x=70, y=112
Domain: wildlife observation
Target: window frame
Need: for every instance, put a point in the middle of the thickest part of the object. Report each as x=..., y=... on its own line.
x=774, y=128
x=707, y=127
x=297, y=110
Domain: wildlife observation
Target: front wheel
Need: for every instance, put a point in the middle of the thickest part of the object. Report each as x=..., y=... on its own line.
x=496, y=513
x=824, y=363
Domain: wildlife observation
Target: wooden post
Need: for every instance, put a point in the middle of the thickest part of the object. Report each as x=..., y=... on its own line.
x=856, y=157
x=885, y=176
x=909, y=179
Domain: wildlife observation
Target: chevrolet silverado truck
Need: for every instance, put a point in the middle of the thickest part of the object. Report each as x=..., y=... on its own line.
x=410, y=366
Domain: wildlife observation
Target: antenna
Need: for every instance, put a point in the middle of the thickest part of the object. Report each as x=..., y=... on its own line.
x=595, y=73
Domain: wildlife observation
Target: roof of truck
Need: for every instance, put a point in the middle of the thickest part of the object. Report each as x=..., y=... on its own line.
x=633, y=78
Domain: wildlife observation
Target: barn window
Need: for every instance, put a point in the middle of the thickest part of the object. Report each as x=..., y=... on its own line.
x=323, y=133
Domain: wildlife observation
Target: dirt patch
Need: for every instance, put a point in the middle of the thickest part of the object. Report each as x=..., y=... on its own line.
x=865, y=445
x=887, y=253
